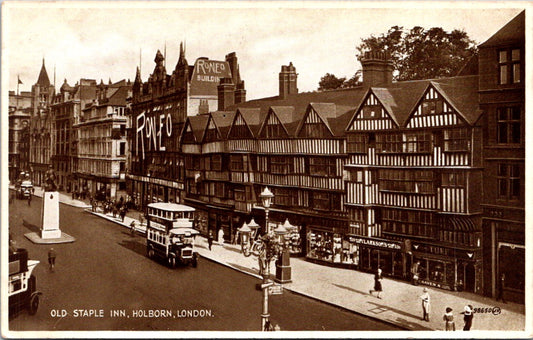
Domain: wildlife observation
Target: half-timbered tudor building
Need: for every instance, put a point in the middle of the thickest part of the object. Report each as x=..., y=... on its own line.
x=413, y=179
x=160, y=107
x=502, y=99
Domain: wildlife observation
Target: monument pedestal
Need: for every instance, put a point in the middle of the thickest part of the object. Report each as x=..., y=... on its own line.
x=50, y=215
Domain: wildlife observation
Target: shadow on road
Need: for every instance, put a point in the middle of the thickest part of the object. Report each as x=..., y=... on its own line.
x=351, y=289
x=31, y=227
x=397, y=311
x=135, y=246
x=412, y=325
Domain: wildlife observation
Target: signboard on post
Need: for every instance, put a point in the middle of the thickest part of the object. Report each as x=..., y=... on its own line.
x=275, y=290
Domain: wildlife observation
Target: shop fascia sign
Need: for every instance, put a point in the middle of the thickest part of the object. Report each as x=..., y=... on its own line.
x=376, y=243
x=152, y=129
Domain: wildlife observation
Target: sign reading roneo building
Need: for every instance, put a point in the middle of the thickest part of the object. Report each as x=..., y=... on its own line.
x=206, y=76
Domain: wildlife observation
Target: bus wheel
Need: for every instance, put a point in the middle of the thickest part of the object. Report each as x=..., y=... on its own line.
x=151, y=253
x=172, y=262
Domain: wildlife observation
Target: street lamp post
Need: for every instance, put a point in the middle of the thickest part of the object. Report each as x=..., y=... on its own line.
x=266, y=198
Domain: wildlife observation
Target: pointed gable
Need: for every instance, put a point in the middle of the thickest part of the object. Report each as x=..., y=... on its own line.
x=253, y=118
x=223, y=121
x=194, y=129
x=211, y=131
x=372, y=114
x=273, y=126
x=447, y=102
x=239, y=128
x=315, y=124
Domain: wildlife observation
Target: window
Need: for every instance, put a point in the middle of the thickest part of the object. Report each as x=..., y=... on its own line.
x=416, y=223
x=240, y=194
x=418, y=143
x=322, y=166
x=390, y=143
x=509, y=66
x=508, y=181
x=408, y=181
x=122, y=149
x=236, y=163
x=357, y=143
x=454, y=179
x=456, y=140
x=325, y=201
x=509, y=125
x=280, y=165
x=216, y=162
x=432, y=107
x=284, y=197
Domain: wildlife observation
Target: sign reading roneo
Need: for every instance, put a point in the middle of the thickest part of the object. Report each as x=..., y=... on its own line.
x=206, y=76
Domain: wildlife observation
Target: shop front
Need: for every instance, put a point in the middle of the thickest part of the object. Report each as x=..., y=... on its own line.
x=448, y=268
x=388, y=255
x=145, y=190
x=327, y=246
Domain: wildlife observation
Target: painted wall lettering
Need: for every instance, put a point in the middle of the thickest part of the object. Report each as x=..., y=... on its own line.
x=151, y=129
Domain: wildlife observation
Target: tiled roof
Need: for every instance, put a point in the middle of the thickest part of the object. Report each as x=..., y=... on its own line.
x=198, y=125
x=118, y=95
x=462, y=93
x=513, y=32
x=223, y=121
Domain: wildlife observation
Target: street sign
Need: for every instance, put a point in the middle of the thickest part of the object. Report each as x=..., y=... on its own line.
x=275, y=290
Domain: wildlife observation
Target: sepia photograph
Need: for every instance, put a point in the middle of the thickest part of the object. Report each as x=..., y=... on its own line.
x=212, y=169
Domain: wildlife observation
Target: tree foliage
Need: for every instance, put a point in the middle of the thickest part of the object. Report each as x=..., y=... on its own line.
x=422, y=54
x=331, y=82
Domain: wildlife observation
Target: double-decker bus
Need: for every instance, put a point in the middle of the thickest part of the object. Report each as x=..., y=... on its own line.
x=170, y=234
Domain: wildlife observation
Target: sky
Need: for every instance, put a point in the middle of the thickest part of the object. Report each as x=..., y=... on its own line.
x=108, y=40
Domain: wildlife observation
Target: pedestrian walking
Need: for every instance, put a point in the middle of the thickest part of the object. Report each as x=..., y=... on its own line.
x=210, y=238
x=11, y=197
x=468, y=316
x=132, y=228
x=122, y=212
x=377, y=284
x=414, y=273
x=52, y=259
x=425, y=304
x=501, y=285
x=29, y=200
x=449, y=324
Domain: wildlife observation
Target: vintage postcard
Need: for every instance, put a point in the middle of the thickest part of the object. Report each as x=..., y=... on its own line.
x=208, y=169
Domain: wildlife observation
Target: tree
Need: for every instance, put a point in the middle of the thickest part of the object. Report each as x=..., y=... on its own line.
x=420, y=53
x=330, y=82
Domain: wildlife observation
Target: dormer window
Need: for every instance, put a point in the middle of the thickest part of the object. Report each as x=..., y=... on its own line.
x=509, y=63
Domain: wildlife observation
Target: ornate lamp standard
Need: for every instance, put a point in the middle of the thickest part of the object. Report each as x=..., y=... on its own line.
x=266, y=198
x=267, y=248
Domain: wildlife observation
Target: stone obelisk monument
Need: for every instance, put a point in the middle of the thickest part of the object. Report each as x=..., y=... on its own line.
x=50, y=213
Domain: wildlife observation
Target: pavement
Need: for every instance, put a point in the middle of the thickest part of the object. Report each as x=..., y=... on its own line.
x=349, y=289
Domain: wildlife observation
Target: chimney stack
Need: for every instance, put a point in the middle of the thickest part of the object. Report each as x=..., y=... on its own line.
x=377, y=69
x=226, y=93
x=288, y=81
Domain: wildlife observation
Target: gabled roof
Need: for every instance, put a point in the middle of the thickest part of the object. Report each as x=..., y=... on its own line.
x=198, y=126
x=513, y=32
x=462, y=94
x=288, y=117
x=346, y=97
x=253, y=118
x=223, y=121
